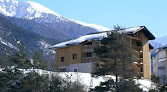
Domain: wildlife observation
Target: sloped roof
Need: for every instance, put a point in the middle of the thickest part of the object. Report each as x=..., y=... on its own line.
x=159, y=49
x=100, y=35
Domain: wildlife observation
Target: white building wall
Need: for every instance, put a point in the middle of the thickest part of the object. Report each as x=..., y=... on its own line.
x=81, y=67
x=161, y=54
x=155, y=66
x=159, y=64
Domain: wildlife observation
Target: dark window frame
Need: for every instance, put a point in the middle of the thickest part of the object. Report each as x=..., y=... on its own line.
x=62, y=59
x=62, y=70
x=138, y=44
x=88, y=54
x=74, y=56
x=75, y=69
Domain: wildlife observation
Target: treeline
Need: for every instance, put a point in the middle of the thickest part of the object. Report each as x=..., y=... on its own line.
x=19, y=73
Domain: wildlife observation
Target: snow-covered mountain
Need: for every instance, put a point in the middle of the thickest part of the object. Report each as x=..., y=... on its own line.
x=10, y=34
x=158, y=42
x=32, y=10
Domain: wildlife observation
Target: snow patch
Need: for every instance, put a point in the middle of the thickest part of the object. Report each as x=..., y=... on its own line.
x=45, y=47
x=8, y=44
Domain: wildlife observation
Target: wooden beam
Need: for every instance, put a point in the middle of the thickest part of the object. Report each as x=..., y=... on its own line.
x=133, y=38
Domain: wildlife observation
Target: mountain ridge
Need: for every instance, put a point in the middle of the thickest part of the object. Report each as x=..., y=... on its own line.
x=31, y=10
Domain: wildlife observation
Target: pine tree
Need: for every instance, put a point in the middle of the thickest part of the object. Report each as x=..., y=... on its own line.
x=20, y=59
x=116, y=59
x=38, y=62
x=10, y=79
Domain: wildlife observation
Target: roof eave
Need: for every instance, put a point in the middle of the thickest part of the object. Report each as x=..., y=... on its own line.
x=148, y=33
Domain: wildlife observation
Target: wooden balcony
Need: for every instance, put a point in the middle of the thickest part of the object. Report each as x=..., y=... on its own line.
x=139, y=69
x=141, y=74
x=88, y=48
x=90, y=59
x=140, y=61
x=137, y=48
x=136, y=53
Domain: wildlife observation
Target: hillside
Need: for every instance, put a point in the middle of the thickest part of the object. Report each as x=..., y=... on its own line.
x=9, y=34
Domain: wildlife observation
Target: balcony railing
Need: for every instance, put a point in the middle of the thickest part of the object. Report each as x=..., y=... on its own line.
x=88, y=48
x=137, y=48
x=90, y=59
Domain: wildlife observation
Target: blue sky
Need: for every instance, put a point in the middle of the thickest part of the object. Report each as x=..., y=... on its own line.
x=126, y=13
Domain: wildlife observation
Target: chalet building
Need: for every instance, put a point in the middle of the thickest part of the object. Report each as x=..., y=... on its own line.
x=160, y=64
x=78, y=56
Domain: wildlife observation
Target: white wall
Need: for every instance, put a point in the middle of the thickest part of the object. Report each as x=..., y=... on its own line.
x=81, y=67
x=160, y=61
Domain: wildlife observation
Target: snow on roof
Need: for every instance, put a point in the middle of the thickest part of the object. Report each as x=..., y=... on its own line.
x=130, y=30
x=81, y=39
x=160, y=49
x=93, y=36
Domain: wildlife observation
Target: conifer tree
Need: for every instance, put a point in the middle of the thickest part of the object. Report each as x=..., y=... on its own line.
x=116, y=59
x=38, y=61
x=20, y=58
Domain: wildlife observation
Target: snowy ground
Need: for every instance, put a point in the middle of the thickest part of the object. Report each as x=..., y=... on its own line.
x=91, y=82
x=88, y=81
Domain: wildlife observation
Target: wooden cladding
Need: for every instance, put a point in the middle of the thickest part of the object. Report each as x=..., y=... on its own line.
x=83, y=53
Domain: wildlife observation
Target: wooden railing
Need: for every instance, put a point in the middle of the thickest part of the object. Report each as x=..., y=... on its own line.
x=90, y=59
x=88, y=48
x=136, y=53
x=141, y=74
x=137, y=68
x=137, y=48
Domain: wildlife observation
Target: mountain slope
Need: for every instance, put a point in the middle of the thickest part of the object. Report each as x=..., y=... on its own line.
x=36, y=12
x=158, y=42
x=9, y=34
x=38, y=28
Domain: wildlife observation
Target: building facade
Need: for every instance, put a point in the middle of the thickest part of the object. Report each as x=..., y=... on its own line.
x=78, y=56
x=159, y=64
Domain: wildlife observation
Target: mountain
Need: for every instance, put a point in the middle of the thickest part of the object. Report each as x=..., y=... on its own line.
x=54, y=22
x=10, y=33
x=159, y=42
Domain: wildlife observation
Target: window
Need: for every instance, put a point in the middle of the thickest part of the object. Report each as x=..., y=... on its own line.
x=62, y=59
x=97, y=42
x=88, y=43
x=88, y=54
x=138, y=43
x=74, y=56
x=75, y=70
x=62, y=70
